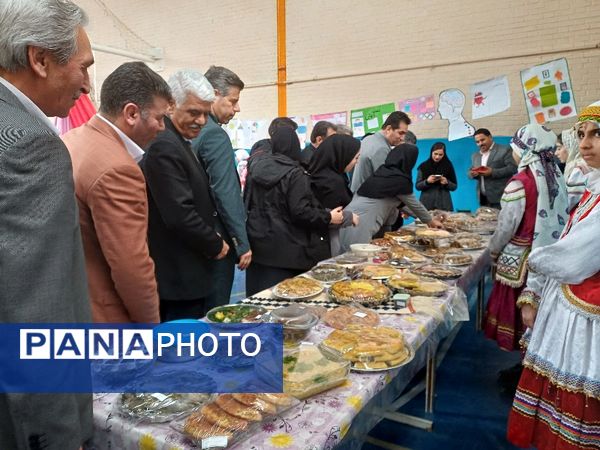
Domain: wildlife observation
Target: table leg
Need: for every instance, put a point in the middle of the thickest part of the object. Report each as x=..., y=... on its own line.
x=480, y=299
x=430, y=382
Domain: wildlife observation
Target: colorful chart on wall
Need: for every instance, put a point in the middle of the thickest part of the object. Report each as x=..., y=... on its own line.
x=370, y=120
x=244, y=133
x=489, y=97
x=303, y=128
x=337, y=118
x=420, y=108
x=548, y=92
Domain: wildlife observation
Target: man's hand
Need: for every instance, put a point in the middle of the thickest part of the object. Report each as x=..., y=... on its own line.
x=528, y=314
x=435, y=223
x=224, y=251
x=472, y=173
x=337, y=217
x=486, y=171
x=245, y=260
x=355, y=220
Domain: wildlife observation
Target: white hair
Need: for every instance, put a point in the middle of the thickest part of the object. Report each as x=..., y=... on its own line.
x=186, y=81
x=48, y=24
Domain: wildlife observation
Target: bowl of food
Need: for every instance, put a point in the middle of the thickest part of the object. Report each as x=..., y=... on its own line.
x=297, y=322
x=236, y=313
x=365, y=249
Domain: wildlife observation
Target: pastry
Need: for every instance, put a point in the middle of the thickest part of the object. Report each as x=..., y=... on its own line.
x=297, y=287
x=377, y=271
x=256, y=402
x=198, y=427
x=217, y=416
x=361, y=291
x=384, y=242
x=277, y=399
x=369, y=348
x=231, y=406
x=436, y=271
x=401, y=252
x=341, y=316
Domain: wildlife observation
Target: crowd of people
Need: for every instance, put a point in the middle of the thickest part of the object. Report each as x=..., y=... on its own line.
x=138, y=216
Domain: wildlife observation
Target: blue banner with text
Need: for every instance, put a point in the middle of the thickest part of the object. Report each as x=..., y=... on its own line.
x=170, y=357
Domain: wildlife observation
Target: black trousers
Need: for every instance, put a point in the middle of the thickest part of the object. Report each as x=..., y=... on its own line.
x=182, y=309
x=260, y=277
x=483, y=201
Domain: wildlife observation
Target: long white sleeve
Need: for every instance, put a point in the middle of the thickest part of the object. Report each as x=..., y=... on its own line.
x=575, y=257
x=510, y=217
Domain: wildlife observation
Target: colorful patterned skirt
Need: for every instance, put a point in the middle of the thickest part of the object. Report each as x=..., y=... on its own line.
x=503, y=319
x=557, y=403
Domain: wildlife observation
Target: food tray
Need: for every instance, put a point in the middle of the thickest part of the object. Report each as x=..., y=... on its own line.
x=281, y=289
x=443, y=272
x=328, y=273
x=383, y=291
x=409, y=358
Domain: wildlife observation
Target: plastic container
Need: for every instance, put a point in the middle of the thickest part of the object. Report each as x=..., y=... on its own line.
x=309, y=370
x=297, y=322
x=365, y=249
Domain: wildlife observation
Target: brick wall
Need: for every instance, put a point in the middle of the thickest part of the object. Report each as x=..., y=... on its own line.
x=372, y=52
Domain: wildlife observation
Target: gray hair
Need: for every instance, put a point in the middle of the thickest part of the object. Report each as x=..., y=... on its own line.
x=223, y=79
x=48, y=24
x=344, y=129
x=186, y=81
x=410, y=138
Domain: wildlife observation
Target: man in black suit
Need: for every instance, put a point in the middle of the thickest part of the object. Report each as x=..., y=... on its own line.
x=182, y=220
x=493, y=165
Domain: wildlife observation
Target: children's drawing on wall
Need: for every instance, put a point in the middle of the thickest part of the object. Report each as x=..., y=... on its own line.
x=489, y=97
x=420, y=108
x=450, y=106
x=548, y=92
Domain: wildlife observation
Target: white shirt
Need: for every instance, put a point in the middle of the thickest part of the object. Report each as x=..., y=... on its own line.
x=484, y=159
x=31, y=107
x=132, y=148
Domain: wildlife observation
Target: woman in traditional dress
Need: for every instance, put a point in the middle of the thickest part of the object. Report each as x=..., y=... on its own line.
x=436, y=178
x=557, y=403
x=336, y=156
x=534, y=212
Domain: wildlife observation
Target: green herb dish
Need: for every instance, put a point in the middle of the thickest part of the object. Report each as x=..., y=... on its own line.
x=238, y=313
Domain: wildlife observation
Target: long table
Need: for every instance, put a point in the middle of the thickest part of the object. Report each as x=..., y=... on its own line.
x=340, y=417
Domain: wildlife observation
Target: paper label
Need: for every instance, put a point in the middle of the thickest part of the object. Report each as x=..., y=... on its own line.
x=362, y=315
x=214, y=441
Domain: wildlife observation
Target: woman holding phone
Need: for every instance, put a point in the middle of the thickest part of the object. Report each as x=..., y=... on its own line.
x=436, y=178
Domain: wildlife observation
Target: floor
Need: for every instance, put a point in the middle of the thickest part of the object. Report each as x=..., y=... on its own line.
x=470, y=409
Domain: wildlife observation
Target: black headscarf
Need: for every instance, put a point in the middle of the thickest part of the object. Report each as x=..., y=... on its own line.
x=395, y=176
x=329, y=181
x=442, y=167
x=285, y=142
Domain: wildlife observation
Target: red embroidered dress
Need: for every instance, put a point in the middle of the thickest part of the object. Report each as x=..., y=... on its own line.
x=503, y=319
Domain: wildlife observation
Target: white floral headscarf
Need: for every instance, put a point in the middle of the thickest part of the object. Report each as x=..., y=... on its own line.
x=535, y=144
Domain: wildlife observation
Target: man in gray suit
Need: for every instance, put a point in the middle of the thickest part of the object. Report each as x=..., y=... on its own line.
x=493, y=165
x=43, y=70
x=213, y=148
